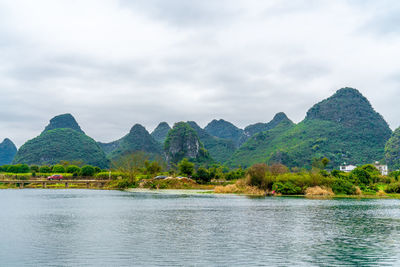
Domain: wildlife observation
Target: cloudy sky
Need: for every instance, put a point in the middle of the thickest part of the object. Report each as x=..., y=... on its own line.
x=116, y=63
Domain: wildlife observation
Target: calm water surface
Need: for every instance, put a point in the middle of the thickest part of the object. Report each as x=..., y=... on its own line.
x=112, y=228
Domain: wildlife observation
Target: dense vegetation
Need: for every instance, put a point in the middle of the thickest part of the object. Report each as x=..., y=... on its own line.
x=225, y=130
x=260, y=147
x=138, y=139
x=7, y=151
x=275, y=179
x=63, y=121
x=344, y=128
x=392, y=150
x=256, y=128
x=160, y=132
x=53, y=146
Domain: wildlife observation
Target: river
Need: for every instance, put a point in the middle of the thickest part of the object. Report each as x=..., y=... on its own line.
x=43, y=227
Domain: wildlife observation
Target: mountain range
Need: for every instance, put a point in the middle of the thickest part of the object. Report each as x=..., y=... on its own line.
x=344, y=128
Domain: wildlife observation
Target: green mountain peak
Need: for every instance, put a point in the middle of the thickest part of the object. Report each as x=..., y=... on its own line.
x=7, y=151
x=63, y=121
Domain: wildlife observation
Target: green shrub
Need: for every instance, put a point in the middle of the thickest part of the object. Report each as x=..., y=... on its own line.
x=361, y=176
x=34, y=168
x=87, y=170
x=386, y=179
x=124, y=183
x=393, y=188
x=257, y=176
x=287, y=188
x=202, y=175
x=44, y=169
x=186, y=167
x=73, y=169
x=17, y=168
x=373, y=187
x=58, y=169
x=235, y=174
x=342, y=186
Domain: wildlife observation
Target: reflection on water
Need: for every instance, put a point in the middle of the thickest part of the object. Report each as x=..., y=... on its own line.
x=112, y=228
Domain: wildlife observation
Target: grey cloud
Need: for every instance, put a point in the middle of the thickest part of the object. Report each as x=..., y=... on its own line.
x=185, y=13
x=242, y=61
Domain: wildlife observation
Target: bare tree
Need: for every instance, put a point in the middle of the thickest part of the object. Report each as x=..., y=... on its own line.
x=131, y=164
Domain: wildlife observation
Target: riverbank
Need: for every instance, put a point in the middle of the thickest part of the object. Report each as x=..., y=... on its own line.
x=188, y=187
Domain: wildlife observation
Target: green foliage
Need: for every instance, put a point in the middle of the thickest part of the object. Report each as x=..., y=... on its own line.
x=88, y=171
x=152, y=168
x=34, y=168
x=124, y=183
x=256, y=128
x=45, y=169
x=138, y=139
x=186, y=167
x=235, y=174
x=73, y=169
x=202, y=175
x=364, y=175
x=17, y=168
x=216, y=171
x=257, y=176
x=342, y=186
x=343, y=128
x=287, y=188
x=395, y=175
x=58, y=169
x=392, y=150
x=61, y=144
x=63, y=121
x=260, y=148
x=393, y=188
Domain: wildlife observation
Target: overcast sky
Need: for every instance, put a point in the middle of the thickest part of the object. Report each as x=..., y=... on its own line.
x=116, y=63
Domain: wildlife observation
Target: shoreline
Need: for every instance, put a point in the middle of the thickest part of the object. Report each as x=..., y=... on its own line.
x=185, y=191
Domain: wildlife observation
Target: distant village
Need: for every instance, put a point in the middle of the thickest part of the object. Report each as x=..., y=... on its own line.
x=382, y=168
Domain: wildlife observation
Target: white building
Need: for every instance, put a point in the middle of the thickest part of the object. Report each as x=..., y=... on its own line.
x=382, y=168
x=347, y=168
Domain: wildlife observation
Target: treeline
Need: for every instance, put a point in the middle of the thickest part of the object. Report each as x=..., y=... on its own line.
x=86, y=170
x=277, y=179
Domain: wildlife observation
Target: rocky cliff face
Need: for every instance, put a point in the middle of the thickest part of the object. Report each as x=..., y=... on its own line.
x=63, y=121
x=7, y=151
x=160, y=132
x=182, y=142
x=220, y=149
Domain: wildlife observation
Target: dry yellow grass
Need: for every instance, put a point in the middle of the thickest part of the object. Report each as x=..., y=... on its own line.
x=381, y=193
x=239, y=187
x=358, y=191
x=228, y=189
x=319, y=191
